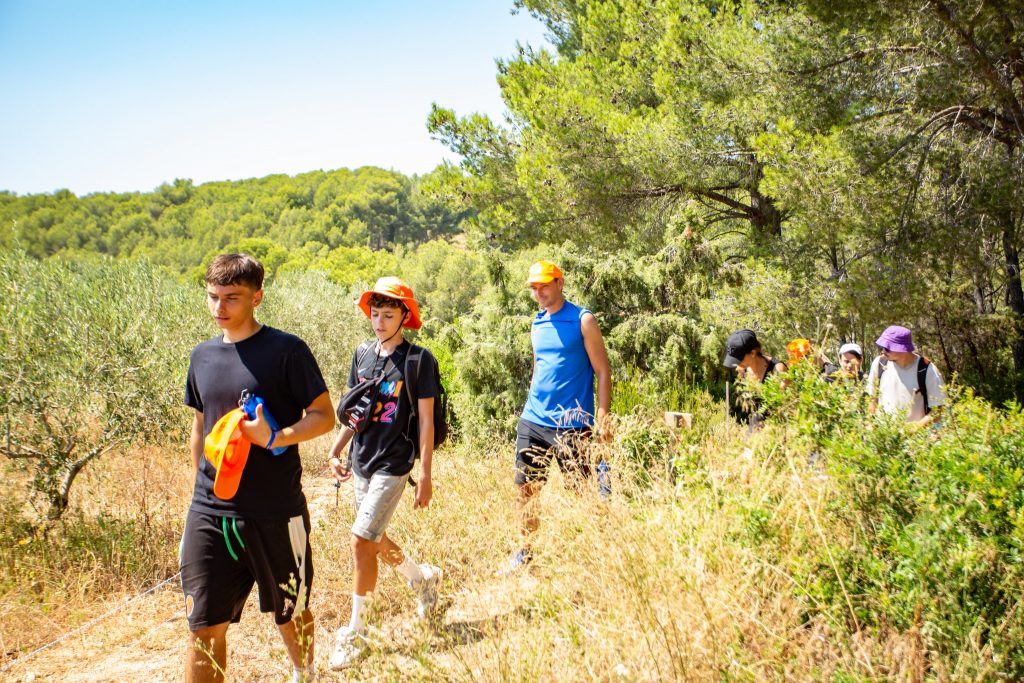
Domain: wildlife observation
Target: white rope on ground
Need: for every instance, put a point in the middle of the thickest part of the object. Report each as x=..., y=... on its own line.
x=87, y=624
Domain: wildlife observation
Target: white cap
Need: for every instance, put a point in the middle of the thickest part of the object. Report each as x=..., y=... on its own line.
x=851, y=348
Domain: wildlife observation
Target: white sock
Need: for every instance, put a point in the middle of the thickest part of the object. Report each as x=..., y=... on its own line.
x=356, y=624
x=409, y=570
x=306, y=675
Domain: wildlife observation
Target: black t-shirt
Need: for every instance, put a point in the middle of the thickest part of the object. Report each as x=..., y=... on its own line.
x=390, y=442
x=279, y=368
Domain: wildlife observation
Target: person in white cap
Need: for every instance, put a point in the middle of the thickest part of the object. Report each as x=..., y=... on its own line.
x=851, y=360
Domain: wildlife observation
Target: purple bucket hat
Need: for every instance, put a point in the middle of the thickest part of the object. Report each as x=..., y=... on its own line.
x=896, y=338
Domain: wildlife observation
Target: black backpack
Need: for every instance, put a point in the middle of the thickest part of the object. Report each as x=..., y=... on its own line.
x=412, y=367
x=922, y=378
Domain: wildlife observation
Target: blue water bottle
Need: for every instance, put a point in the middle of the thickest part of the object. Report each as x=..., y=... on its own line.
x=604, y=484
x=248, y=403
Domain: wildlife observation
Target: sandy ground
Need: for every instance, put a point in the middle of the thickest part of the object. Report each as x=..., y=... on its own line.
x=145, y=639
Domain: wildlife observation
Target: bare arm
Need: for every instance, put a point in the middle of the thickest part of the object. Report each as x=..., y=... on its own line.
x=933, y=417
x=425, y=486
x=780, y=368
x=195, y=443
x=594, y=344
x=318, y=419
x=336, y=460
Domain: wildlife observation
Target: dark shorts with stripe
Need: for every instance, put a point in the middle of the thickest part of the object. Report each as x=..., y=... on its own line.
x=222, y=557
x=537, y=446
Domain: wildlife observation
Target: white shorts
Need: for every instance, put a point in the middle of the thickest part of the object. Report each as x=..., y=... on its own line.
x=376, y=501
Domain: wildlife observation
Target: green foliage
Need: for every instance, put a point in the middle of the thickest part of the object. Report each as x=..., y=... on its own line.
x=92, y=358
x=863, y=156
x=323, y=219
x=924, y=527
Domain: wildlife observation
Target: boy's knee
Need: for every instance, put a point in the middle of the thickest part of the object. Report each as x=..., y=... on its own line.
x=208, y=634
x=362, y=546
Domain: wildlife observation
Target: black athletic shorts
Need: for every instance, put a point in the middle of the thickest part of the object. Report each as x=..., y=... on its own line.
x=222, y=557
x=536, y=446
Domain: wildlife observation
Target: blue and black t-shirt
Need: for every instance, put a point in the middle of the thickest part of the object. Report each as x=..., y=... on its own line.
x=390, y=442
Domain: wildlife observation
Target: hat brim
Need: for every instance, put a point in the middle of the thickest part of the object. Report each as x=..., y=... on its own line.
x=228, y=450
x=412, y=322
x=541, y=279
x=732, y=362
x=895, y=347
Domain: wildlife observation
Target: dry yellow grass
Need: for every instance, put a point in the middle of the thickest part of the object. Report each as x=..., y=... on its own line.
x=659, y=583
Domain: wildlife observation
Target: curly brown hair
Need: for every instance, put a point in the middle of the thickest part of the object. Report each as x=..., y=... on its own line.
x=381, y=301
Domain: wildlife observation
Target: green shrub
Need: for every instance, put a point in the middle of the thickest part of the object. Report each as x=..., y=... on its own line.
x=92, y=358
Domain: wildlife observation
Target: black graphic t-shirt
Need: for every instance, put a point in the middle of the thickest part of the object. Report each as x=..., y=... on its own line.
x=279, y=368
x=390, y=442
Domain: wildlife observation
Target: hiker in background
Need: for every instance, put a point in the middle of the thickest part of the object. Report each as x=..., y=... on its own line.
x=902, y=382
x=259, y=532
x=743, y=354
x=556, y=423
x=388, y=431
x=851, y=359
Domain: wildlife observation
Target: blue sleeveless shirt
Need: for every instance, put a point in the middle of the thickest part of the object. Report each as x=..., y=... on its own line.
x=562, y=390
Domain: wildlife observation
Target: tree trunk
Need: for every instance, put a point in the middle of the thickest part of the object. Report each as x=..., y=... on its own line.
x=766, y=218
x=1015, y=302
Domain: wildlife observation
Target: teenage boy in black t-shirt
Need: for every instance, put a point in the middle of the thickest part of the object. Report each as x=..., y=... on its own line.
x=383, y=453
x=261, y=534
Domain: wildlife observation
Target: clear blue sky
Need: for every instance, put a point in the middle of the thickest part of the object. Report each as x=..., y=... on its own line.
x=118, y=96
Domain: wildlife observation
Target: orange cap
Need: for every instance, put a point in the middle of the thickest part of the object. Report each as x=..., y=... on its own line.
x=798, y=349
x=543, y=272
x=396, y=289
x=228, y=450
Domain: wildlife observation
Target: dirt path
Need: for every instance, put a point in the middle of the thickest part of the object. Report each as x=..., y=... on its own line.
x=145, y=641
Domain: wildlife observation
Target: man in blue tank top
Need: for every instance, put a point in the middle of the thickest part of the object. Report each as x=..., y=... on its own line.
x=568, y=352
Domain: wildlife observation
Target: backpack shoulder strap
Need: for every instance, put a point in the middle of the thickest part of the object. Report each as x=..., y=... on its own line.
x=922, y=381
x=361, y=352
x=411, y=376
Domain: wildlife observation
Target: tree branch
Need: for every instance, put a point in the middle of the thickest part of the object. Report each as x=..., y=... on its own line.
x=988, y=69
x=859, y=54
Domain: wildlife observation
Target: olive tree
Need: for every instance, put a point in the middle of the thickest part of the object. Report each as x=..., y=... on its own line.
x=92, y=359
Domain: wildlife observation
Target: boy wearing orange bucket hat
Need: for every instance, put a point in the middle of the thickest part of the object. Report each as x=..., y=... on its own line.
x=397, y=427
x=556, y=422
x=248, y=521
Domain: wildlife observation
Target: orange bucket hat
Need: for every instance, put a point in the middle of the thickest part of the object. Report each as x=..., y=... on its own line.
x=543, y=272
x=228, y=450
x=393, y=288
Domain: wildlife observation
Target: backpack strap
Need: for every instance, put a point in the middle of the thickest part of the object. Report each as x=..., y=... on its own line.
x=922, y=381
x=361, y=351
x=412, y=376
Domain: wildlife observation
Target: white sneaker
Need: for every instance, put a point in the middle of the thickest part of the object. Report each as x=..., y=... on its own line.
x=307, y=676
x=427, y=588
x=349, y=647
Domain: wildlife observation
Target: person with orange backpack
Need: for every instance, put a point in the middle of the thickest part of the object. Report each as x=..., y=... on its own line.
x=902, y=382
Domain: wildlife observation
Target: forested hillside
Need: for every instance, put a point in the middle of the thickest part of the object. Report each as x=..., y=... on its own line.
x=322, y=219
